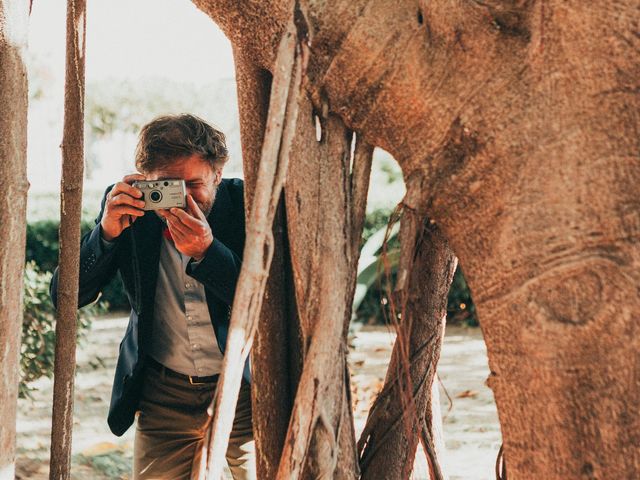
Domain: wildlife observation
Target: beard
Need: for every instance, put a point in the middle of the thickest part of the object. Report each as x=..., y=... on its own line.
x=207, y=206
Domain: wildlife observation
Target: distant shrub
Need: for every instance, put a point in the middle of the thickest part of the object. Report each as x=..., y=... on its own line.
x=42, y=242
x=42, y=248
x=37, y=350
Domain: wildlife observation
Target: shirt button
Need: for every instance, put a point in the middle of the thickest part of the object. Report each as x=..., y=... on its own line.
x=187, y=285
x=195, y=346
x=188, y=317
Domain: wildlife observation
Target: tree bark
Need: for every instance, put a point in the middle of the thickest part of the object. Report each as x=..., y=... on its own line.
x=69, y=260
x=258, y=251
x=390, y=438
x=521, y=120
x=276, y=353
x=325, y=209
x=14, y=16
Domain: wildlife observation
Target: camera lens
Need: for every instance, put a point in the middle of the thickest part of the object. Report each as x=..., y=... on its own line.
x=155, y=196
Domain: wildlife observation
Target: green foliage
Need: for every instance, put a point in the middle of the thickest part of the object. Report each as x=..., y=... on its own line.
x=42, y=242
x=460, y=307
x=371, y=301
x=374, y=222
x=38, y=327
x=42, y=248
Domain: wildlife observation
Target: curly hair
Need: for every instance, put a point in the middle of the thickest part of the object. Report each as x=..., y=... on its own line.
x=171, y=137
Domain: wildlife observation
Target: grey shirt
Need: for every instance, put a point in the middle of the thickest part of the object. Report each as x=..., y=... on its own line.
x=183, y=337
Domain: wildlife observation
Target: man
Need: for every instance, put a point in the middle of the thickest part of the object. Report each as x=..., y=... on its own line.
x=179, y=269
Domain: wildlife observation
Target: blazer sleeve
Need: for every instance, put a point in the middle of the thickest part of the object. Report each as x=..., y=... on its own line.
x=98, y=263
x=218, y=271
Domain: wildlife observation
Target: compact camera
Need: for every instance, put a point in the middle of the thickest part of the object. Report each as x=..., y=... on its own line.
x=161, y=194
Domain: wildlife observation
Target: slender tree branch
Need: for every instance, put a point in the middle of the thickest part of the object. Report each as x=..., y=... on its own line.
x=70, y=212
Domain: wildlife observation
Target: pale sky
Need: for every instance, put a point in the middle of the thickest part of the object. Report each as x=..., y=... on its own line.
x=127, y=40
x=134, y=38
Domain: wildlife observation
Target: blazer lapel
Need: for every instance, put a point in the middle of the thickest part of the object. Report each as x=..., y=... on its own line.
x=147, y=239
x=221, y=212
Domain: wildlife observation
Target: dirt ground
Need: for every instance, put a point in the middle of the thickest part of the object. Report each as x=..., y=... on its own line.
x=471, y=429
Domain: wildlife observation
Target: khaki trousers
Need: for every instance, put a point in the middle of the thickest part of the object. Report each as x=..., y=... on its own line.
x=170, y=429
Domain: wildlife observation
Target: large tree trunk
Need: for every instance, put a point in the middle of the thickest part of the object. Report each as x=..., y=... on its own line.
x=521, y=120
x=69, y=261
x=14, y=16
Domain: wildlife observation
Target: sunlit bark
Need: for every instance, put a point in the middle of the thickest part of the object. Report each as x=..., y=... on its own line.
x=13, y=204
x=521, y=120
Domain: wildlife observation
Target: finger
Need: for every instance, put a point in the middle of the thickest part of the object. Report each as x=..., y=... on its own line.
x=195, y=209
x=133, y=177
x=124, y=199
x=178, y=236
x=122, y=187
x=185, y=218
x=131, y=219
x=127, y=210
x=176, y=224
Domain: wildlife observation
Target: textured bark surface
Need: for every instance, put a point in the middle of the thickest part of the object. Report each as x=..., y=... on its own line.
x=276, y=352
x=325, y=199
x=390, y=438
x=13, y=208
x=520, y=120
x=69, y=259
x=259, y=247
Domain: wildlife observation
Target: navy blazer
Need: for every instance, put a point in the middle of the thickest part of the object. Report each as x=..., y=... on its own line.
x=136, y=255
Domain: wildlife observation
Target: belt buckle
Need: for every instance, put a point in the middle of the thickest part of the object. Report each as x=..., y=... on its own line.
x=195, y=383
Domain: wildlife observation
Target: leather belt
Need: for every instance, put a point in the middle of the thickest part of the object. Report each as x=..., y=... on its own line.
x=158, y=367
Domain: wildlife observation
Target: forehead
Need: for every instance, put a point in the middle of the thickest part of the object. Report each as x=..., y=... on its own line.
x=187, y=168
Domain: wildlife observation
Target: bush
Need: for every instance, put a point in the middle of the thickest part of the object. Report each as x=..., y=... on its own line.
x=42, y=242
x=37, y=351
x=42, y=248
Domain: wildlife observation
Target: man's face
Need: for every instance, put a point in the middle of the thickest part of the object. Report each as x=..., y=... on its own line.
x=198, y=175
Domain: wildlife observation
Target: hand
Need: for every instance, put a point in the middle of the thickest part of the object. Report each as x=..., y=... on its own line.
x=190, y=230
x=122, y=207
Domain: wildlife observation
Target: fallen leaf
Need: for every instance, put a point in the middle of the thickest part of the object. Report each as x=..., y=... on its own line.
x=467, y=394
x=101, y=449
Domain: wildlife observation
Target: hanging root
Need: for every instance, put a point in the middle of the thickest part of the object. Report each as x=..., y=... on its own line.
x=429, y=447
x=70, y=212
x=426, y=265
x=501, y=466
x=258, y=253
